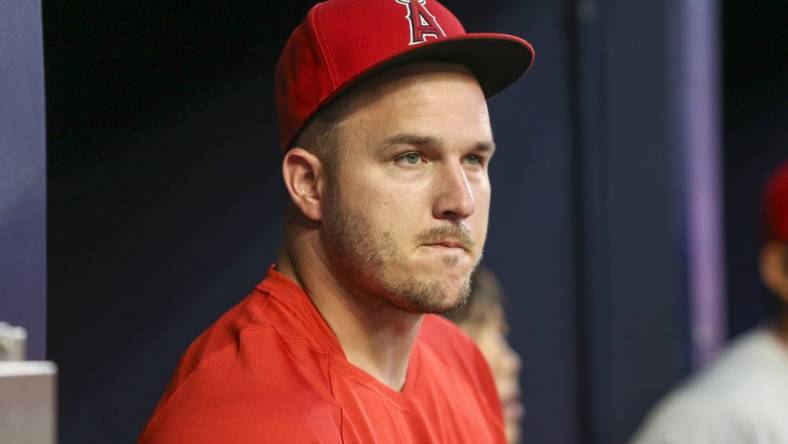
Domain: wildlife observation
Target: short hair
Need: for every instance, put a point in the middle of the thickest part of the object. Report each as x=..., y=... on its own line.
x=321, y=138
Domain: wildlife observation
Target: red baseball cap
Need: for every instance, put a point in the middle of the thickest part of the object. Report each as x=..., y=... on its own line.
x=776, y=204
x=343, y=42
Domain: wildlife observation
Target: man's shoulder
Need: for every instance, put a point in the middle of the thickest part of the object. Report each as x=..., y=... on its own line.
x=685, y=417
x=724, y=402
x=753, y=367
x=269, y=320
x=252, y=366
x=232, y=413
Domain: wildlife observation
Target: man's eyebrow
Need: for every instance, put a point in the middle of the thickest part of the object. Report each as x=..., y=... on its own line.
x=420, y=140
x=411, y=139
x=488, y=147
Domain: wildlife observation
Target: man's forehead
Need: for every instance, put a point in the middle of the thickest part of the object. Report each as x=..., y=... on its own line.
x=424, y=103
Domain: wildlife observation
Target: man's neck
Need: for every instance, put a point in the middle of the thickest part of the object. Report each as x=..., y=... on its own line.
x=375, y=336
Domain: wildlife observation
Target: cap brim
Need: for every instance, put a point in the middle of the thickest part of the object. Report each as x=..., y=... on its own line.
x=497, y=60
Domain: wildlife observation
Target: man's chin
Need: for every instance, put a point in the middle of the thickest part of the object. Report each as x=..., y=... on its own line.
x=432, y=296
x=451, y=272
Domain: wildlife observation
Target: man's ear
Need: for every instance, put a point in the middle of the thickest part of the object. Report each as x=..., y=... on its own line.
x=304, y=179
x=774, y=269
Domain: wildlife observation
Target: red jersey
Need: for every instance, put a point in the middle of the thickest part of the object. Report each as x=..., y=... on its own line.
x=272, y=371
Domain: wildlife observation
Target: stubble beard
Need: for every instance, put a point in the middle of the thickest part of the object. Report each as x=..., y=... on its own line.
x=366, y=263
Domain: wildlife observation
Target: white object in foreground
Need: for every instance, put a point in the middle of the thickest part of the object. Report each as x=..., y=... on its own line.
x=28, y=402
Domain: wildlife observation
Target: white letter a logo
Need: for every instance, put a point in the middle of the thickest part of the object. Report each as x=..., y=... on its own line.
x=422, y=23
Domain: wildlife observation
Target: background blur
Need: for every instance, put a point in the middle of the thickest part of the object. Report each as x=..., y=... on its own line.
x=641, y=128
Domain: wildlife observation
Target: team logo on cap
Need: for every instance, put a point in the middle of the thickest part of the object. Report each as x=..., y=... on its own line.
x=423, y=24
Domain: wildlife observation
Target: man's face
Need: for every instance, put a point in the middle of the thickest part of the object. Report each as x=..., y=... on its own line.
x=406, y=212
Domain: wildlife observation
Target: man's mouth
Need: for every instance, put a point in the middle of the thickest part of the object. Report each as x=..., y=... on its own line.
x=452, y=236
x=448, y=244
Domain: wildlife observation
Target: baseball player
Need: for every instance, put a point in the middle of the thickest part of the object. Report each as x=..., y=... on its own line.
x=741, y=398
x=381, y=107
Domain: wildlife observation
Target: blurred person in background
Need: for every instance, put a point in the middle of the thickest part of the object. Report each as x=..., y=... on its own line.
x=483, y=319
x=741, y=398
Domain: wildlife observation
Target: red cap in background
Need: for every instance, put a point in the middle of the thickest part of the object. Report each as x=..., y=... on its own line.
x=776, y=204
x=342, y=42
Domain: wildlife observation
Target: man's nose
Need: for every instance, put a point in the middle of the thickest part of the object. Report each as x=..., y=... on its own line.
x=454, y=198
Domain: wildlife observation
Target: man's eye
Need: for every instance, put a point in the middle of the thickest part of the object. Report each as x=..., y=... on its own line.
x=473, y=159
x=410, y=158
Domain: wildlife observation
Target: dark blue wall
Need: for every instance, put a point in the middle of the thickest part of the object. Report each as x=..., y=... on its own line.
x=165, y=191
x=631, y=222
x=23, y=173
x=531, y=238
